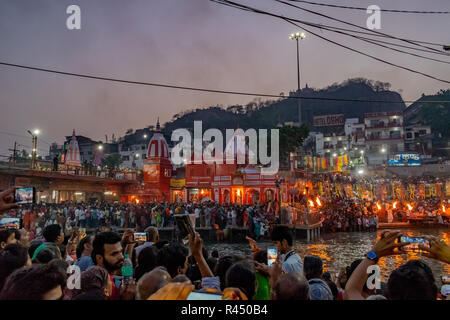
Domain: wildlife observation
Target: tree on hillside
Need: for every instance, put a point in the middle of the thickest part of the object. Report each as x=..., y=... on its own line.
x=291, y=138
x=438, y=117
x=112, y=161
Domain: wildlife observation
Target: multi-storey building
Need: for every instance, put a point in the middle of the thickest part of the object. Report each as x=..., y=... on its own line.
x=418, y=138
x=384, y=135
x=133, y=148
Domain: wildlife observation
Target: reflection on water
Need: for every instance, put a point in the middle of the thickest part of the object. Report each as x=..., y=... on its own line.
x=341, y=249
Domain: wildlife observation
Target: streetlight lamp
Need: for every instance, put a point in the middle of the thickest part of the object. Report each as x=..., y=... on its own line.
x=34, y=136
x=296, y=36
x=100, y=147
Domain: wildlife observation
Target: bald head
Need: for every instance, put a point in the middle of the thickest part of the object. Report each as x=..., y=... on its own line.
x=291, y=286
x=151, y=282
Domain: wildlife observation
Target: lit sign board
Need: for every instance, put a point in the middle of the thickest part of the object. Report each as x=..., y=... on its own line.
x=329, y=120
x=405, y=160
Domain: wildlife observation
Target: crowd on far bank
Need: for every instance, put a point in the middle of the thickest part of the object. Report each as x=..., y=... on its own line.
x=336, y=214
x=108, y=216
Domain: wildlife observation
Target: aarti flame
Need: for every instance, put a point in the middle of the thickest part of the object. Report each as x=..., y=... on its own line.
x=378, y=206
x=443, y=208
x=318, y=202
x=410, y=207
x=394, y=205
x=311, y=203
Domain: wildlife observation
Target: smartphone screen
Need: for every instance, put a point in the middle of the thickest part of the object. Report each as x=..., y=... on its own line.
x=140, y=236
x=203, y=296
x=24, y=195
x=445, y=279
x=414, y=243
x=10, y=223
x=272, y=255
x=184, y=225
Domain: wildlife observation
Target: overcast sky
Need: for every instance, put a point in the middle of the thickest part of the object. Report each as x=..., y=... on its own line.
x=182, y=42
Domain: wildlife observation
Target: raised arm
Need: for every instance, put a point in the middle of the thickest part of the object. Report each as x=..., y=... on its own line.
x=196, y=245
x=384, y=247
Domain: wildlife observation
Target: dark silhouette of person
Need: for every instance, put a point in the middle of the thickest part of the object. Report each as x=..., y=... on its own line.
x=55, y=162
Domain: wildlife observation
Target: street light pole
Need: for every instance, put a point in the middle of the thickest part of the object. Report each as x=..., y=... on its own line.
x=34, y=135
x=297, y=36
x=298, y=67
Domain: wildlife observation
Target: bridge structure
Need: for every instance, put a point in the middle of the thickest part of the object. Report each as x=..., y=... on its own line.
x=68, y=185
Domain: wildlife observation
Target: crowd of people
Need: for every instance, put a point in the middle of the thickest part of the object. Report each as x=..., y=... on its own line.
x=336, y=214
x=107, y=216
x=40, y=269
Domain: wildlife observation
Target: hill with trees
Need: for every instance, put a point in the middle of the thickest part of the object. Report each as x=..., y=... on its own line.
x=267, y=114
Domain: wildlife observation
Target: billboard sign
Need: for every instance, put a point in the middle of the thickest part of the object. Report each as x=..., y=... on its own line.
x=405, y=160
x=329, y=120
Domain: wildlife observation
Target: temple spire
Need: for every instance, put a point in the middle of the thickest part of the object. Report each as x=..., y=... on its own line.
x=158, y=127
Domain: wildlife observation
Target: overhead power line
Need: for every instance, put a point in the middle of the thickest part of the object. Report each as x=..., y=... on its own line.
x=352, y=24
x=79, y=75
x=382, y=44
x=364, y=9
x=354, y=31
x=379, y=35
x=290, y=20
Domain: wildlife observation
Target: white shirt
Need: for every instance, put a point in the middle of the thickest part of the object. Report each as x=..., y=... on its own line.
x=197, y=212
x=80, y=214
x=293, y=263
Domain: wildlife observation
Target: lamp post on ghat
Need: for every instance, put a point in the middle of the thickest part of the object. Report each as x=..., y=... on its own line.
x=34, y=136
x=296, y=36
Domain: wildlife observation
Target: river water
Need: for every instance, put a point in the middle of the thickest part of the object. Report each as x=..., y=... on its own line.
x=339, y=250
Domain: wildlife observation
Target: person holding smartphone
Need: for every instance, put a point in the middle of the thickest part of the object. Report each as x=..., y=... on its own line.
x=412, y=281
x=283, y=239
x=7, y=200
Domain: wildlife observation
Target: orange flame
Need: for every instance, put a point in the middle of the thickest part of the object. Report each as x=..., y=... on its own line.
x=318, y=202
x=443, y=208
x=378, y=206
x=311, y=203
x=395, y=205
x=410, y=207
x=137, y=201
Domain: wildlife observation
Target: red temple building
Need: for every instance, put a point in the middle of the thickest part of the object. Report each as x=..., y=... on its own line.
x=228, y=183
x=223, y=183
x=157, y=171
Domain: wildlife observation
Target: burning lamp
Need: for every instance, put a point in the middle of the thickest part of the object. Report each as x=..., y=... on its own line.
x=318, y=201
x=311, y=203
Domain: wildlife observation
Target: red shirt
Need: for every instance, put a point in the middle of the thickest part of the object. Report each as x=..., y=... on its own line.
x=115, y=295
